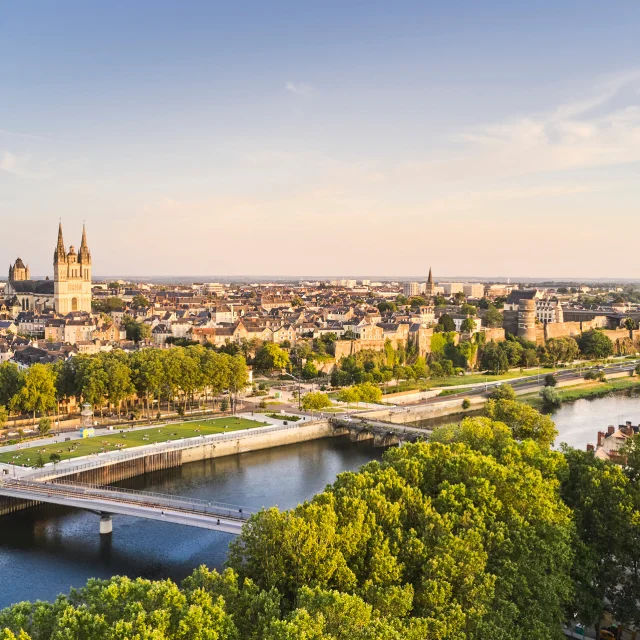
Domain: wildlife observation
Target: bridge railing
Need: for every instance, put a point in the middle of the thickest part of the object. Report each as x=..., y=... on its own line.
x=153, y=499
x=104, y=459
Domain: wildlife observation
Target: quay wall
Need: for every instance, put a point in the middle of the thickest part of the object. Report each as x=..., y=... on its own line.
x=123, y=470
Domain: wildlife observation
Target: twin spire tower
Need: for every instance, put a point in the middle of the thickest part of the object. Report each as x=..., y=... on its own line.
x=72, y=276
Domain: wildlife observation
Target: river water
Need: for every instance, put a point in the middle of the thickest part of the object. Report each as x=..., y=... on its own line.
x=48, y=549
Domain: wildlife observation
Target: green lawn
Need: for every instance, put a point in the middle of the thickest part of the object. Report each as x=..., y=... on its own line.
x=474, y=378
x=585, y=390
x=116, y=441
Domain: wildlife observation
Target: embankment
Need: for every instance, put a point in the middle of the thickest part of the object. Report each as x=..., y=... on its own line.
x=106, y=470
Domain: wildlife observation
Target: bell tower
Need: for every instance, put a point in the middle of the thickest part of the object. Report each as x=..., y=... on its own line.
x=72, y=276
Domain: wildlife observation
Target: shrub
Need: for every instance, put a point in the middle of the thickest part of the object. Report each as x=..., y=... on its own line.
x=503, y=392
x=466, y=403
x=550, y=380
x=550, y=397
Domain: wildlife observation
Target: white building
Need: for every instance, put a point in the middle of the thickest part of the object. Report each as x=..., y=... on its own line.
x=410, y=289
x=451, y=288
x=473, y=290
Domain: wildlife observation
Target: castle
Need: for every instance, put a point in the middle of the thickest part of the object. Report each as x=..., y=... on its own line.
x=70, y=289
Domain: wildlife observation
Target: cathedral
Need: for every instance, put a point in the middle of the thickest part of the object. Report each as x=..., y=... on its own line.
x=70, y=289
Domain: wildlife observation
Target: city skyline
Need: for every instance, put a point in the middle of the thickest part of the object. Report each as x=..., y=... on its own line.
x=497, y=141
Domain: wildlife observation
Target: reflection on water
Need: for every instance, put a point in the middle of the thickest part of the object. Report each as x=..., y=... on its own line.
x=48, y=549
x=578, y=423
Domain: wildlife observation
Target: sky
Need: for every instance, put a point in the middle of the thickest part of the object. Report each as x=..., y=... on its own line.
x=330, y=138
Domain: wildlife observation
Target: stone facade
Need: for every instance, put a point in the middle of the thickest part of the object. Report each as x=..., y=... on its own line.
x=72, y=276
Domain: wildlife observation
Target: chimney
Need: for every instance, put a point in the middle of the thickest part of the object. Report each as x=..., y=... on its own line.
x=600, y=438
x=590, y=448
x=611, y=430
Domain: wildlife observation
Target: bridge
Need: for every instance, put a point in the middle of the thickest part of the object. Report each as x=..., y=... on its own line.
x=107, y=501
x=383, y=434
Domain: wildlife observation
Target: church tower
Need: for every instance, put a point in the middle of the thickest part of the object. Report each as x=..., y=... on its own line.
x=429, y=289
x=72, y=276
x=18, y=272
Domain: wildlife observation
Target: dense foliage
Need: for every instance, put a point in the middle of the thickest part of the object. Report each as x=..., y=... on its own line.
x=116, y=377
x=484, y=533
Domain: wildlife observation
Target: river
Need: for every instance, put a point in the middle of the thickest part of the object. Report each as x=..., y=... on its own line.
x=48, y=549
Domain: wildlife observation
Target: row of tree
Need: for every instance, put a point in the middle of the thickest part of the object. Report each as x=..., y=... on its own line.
x=119, y=379
x=516, y=352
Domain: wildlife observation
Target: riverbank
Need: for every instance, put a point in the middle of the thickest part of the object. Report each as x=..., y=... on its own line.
x=585, y=391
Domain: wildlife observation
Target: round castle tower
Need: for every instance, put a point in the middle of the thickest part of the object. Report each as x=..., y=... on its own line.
x=527, y=320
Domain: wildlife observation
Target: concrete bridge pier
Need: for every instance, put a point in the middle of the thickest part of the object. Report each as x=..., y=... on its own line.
x=106, y=524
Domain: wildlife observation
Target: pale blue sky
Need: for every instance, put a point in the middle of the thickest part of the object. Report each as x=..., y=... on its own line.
x=494, y=138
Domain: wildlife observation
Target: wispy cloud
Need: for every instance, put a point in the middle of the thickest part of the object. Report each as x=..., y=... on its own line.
x=601, y=130
x=16, y=134
x=301, y=88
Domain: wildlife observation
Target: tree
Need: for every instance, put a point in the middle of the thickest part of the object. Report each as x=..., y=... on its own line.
x=493, y=358
x=468, y=309
x=55, y=458
x=348, y=395
x=550, y=397
x=44, y=426
x=604, y=572
x=3, y=416
x=468, y=325
x=38, y=394
x=524, y=421
x=309, y=371
x=446, y=323
x=420, y=538
x=270, y=356
x=11, y=379
x=595, y=344
x=297, y=301
x=368, y=392
x=385, y=306
x=630, y=323
x=503, y=392
x=637, y=370
x=107, y=305
x=550, y=380
x=315, y=401
x=492, y=317
x=136, y=331
x=139, y=301
x=118, y=379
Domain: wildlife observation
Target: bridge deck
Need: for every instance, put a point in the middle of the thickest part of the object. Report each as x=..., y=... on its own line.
x=113, y=500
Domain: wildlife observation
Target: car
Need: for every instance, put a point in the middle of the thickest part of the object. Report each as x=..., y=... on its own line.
x=605, y=634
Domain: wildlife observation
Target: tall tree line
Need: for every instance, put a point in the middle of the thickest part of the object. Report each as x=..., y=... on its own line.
x=118, y=379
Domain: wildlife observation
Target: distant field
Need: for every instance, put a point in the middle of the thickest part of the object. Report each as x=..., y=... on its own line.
x=116, y=441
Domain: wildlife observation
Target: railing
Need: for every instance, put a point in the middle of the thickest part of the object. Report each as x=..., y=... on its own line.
x=83, y=490
x=143, y=451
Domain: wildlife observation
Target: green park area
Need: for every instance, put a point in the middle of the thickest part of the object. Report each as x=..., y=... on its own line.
x=473, y=378
x=106, y=441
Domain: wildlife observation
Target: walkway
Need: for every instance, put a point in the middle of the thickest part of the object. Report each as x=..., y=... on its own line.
x=115, y=500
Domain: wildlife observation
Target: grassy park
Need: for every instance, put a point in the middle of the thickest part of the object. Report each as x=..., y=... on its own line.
x=105, y=441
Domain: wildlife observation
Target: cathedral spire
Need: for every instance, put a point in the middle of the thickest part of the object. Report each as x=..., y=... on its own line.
x=84, y=255
x=430, y=278
x=60, y=240
x=59, y=254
